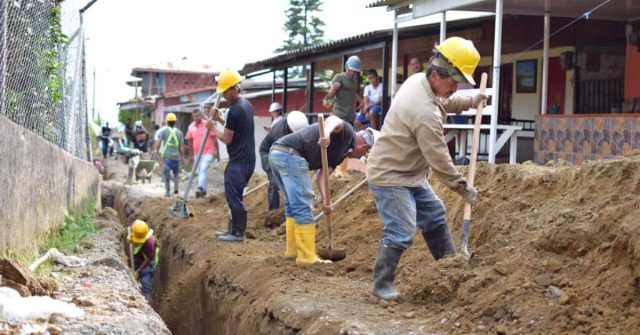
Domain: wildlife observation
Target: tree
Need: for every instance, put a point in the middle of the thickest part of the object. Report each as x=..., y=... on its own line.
x=303, y=26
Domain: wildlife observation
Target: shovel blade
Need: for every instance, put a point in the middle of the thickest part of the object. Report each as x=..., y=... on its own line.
x=180, y=210
x=334, y=255
x=465, y=238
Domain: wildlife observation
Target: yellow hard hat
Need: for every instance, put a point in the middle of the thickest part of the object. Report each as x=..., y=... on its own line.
x=462, y=54
x=170, y=117
x=227, y=79
x=139, y=231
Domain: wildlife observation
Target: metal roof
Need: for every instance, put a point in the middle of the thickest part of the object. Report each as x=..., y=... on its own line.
x=615, y=10
x=390, y=3
x=353, y=44
x=324, y=48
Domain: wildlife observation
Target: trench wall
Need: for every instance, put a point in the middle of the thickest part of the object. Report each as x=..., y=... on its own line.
x=39, y=183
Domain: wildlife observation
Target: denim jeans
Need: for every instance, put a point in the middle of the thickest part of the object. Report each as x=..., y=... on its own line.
x=292, y=174
x=105, y=147
x=402, y=208
x=205, y=160
x=274, y=196
x=146, y=278
x=236, y=178
x=169, y=166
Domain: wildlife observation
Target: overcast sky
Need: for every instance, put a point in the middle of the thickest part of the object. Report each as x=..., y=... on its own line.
x=123, y=34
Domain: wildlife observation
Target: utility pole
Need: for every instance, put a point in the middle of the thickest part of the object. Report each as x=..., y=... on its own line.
x=93, y=108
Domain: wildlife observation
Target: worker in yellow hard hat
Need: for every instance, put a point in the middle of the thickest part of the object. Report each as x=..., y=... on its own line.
x=237, y=132
x=172, y=141
x=146, y=251
x=411, y=143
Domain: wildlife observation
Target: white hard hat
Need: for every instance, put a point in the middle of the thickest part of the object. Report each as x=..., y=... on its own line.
x=275, y=106
x=354, y=64
x=296, y=120
x=370, y=136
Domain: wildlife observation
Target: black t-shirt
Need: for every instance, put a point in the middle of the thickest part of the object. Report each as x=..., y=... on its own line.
x=305, y=141
x=240, y=119
x=106, y=133
x=278, y=131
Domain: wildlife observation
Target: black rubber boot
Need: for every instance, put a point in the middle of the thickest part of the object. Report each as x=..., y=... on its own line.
x=229, y=225
x=440, y=242
x=384, y=272
x=238, y=227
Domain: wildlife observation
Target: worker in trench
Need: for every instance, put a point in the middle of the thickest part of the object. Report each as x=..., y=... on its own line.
x=237, y=132
x=411, y=143
x=287, y=124
x=292, y=157
x=146, y=251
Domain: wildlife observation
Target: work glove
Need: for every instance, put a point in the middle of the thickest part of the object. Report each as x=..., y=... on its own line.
x=475, y=100
x=136, y=275
x=468, y=193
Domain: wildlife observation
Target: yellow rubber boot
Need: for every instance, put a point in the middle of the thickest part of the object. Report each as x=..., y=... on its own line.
x=306, y=243
x=292, y=249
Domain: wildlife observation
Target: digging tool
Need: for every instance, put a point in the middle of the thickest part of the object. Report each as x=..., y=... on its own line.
x=130, y=250
x=331, y=254
x=466, y=218
x=342, y=197
x=181, y=208
x=255, y=188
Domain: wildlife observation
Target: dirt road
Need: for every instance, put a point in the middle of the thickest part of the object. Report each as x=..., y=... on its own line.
x=557, y=250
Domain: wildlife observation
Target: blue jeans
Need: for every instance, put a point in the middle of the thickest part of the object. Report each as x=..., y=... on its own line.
x=236, y=178
x=105, y=147
x=292, y=174
x=205, y=160
x=273, y=194
x=402, y=208
x=146, y=278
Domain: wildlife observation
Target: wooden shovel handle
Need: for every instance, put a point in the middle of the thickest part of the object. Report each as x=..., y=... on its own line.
x=325, y=174
x=474, y=144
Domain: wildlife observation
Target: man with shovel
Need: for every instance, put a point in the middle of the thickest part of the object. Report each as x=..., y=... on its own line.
x=195, y=135
x=237, y=132
x=412, y=141
x=292, y=157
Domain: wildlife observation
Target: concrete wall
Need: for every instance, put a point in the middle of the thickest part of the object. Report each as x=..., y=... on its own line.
x=38, y=182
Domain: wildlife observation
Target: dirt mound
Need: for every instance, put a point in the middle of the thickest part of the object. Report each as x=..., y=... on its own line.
x=556, y=250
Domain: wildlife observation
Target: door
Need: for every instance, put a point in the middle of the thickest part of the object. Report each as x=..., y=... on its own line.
x=556, y=87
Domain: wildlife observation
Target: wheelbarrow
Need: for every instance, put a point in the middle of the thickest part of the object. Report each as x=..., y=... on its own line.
x=145, y=169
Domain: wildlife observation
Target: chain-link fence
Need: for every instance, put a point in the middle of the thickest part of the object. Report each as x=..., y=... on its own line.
x=42, y=71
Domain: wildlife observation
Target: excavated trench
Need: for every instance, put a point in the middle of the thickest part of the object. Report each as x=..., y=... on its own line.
x=556, y=251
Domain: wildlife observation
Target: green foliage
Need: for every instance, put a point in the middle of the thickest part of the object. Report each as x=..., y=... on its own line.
x=304, y=28
x=74, y=231
x=49, y=59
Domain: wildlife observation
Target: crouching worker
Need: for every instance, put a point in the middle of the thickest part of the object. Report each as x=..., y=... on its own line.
x=146, y=251
x=291, y=158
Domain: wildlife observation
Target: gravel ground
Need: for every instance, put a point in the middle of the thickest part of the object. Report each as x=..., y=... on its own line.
x=104, y=290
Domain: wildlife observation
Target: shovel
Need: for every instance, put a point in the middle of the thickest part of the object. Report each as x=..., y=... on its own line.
x=466, y=218
x=181, y=208
x=331, y=254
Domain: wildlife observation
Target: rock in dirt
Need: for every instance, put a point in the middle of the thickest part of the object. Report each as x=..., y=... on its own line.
x=543, y=279
x=564, y=299
x=23, y=290
x=502, y=268
x=274, y=219
x=410, y=315
x=11, y=270
x=554, y=292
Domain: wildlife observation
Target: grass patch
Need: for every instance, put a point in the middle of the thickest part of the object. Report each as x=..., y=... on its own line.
x=74, y=231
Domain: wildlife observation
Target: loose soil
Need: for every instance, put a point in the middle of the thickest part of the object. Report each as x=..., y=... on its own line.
x=556, y=250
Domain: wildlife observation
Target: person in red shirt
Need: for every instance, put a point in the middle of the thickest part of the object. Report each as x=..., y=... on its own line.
x=195, y=134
